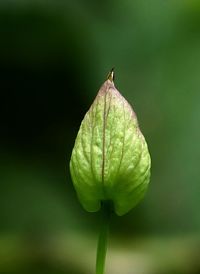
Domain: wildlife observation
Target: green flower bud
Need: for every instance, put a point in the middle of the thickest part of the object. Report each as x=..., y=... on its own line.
x=110, y=158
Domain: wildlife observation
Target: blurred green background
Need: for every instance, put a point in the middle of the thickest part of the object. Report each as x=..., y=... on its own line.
x=54, y=56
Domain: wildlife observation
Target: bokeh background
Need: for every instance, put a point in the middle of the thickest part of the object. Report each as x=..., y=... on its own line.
x=54, y=56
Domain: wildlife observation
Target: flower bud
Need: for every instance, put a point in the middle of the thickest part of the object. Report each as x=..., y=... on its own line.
x=110, y=158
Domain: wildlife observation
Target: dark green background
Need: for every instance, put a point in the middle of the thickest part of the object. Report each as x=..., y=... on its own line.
x=54, y=56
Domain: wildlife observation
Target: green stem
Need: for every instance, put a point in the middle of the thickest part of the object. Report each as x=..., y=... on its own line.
x=102, y=242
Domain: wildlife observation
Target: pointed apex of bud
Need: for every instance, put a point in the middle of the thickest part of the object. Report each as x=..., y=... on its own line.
x=111, y=75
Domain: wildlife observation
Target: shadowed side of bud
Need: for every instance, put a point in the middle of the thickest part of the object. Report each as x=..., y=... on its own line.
x=110, y=158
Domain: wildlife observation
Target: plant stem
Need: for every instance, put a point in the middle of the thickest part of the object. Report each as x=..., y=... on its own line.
x=102, y=242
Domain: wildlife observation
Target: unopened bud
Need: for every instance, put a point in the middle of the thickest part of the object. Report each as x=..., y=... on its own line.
x=110, y=159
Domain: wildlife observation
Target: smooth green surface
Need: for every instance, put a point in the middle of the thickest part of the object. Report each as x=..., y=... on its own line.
x=103, y=238
x=110, y=158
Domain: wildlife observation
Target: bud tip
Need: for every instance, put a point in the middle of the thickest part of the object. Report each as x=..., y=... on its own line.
x=111, y=75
